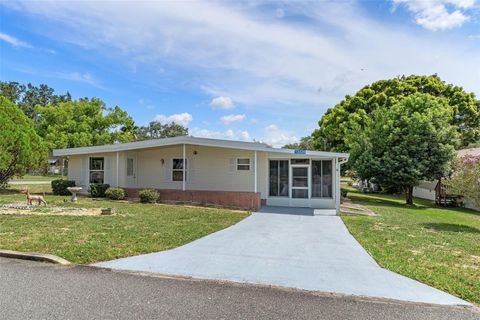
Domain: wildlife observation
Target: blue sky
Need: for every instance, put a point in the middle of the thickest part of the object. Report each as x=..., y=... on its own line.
x=247, y=70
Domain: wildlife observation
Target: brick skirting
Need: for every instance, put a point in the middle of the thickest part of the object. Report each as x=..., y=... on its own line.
x=230, y=199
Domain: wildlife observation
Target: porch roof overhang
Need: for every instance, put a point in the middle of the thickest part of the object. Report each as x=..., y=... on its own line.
x=190, y=140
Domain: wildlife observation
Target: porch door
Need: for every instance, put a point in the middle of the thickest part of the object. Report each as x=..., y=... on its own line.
x=300, y=185
x=131, y=168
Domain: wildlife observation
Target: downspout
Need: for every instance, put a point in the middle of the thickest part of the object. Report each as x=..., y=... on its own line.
x=183, y=168
x=337, y=176
x=255, y=172
x=117, y=170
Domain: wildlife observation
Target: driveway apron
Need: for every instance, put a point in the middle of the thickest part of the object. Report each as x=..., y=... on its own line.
x=291, y=250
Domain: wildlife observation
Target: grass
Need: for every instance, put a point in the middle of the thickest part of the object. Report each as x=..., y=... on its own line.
x=28, y=177
x=437, y=246
x=135, y=228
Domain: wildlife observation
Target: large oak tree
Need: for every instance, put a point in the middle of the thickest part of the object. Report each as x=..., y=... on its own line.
x=158, y=130
x=85, y=122
x=21, y=148
x=412, y=140
x=27, y=97
x=356, y=110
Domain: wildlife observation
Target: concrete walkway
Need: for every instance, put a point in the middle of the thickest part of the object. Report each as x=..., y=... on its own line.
x=298, y=251
x=17, y=182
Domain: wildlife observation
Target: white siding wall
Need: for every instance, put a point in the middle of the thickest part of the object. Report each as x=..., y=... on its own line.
x=425, y=190
x=424, y=193
x=75, y=169
x=210, y=168
x=78, y=169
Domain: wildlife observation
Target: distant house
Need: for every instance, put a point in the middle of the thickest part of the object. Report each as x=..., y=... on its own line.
x=211, y=171
x=434, y=190
x=54, y=165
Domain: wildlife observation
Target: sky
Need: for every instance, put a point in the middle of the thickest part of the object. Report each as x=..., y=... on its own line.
x=244, y=70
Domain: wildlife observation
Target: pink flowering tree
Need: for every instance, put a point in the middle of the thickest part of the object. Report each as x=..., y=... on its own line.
x=465, y=179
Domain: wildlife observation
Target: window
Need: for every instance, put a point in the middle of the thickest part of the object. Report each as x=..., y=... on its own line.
x=278, y=178
x=129, y=167
x=177, y=169
x=96, y=170
x=243, y=164
x=322, y=178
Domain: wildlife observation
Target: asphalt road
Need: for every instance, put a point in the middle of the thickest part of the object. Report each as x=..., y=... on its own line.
x=34, y=290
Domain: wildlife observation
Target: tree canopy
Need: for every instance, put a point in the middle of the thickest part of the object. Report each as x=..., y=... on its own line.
x=412, y=140
x=465, y=179
x=355, y=111
x=157, y=130
x=86, y=122
x=20, y=146
x=305, y=143
x=27, y=97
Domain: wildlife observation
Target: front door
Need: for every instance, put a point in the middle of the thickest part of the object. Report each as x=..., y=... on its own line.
x=300, y=185
x=131, y=168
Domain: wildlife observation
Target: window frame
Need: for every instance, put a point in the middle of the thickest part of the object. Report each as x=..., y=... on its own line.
x=90, y=170
x=132, y=167
x=183, y=169
x=238, y=165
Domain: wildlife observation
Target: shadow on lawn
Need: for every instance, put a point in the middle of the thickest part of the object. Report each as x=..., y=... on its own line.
x=384, y=201
x=450, y=227
x=8, y=191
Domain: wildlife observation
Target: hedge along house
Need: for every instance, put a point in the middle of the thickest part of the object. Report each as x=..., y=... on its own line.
x=211, y=171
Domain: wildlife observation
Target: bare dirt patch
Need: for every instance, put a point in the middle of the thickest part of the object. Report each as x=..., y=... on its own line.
x=22, y=209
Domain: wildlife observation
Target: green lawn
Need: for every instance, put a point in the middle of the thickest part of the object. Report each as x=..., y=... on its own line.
x=437, y=246
x=135, y=228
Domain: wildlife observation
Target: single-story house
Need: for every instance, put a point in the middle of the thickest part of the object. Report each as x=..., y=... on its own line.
x=431, y=190
x=212, y=171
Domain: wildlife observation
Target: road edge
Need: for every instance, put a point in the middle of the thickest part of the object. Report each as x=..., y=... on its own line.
x=34, y=256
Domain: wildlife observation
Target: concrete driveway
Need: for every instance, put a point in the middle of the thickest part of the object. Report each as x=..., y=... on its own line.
x=289, y=248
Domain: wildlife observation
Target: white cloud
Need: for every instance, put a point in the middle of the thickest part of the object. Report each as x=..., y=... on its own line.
x=79, y=76
x=14, y=41
x=84, y=77
x=142, y=102
x=222, y=103
x=435, y=15
x=232, y=118
x=249, y=56
x=278, y=137
x=181, y=118
x=228, y=134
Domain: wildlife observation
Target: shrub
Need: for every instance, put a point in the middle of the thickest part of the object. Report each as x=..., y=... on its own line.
x=115, y=193
x=59, y=187
x=148, y=195
x=344, y=192
x=97, y=190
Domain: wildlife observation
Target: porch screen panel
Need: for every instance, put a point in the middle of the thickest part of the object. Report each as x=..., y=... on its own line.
x=316, y=179
x=278, y=178
x=283, y=181
x=327, y=179
x=322, y=178
x=273, y=177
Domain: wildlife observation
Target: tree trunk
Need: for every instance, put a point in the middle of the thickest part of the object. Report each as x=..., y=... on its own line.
x=409, y=195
